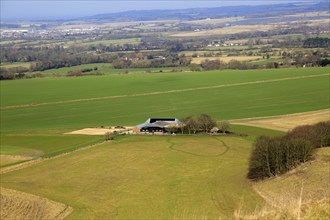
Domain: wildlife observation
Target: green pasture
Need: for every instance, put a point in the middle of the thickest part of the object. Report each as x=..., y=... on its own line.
x=181, y=177
x=62, y=89
x=42, y=143
x=251, y=133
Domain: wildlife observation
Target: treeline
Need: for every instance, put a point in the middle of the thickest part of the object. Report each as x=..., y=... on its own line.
x=317, y=43
x=150, y=61
x=273, y=156
x=309, y=61
x=206, y=65
x=202, y=123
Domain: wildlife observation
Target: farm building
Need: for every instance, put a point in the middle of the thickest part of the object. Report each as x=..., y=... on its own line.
x=156, y=125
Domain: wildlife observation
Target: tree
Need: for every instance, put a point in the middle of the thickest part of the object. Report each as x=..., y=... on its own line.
x=224, y=126
x=107, y=136
x=190, y=124
x=172, y=128
x=205, y=122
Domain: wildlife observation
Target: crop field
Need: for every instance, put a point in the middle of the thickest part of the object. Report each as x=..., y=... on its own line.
x=226, y=30
x=288, y=122
x=130, y=99
x=226, y=59
x=192, y=177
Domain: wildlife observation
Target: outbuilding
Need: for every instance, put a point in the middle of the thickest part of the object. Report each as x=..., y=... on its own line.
x=156, y=125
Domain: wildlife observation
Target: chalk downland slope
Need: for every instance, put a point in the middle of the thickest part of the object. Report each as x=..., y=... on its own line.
x=19, y=205
x=303, y=193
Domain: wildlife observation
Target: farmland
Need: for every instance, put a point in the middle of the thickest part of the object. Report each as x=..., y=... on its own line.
x=226, y=59
x=118, y=185
x=33, y=125
x=70, y=88
x=103, y=68
x=224, y=95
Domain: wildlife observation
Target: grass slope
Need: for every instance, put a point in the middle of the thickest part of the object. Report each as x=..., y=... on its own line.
x=40, y=144
x=308, y=183
x=146, y=177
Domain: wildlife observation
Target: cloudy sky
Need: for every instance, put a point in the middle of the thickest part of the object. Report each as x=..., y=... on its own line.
x=63, y=9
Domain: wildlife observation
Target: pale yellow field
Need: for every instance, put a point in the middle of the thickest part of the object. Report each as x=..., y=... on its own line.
x=214, y=21
x=19, y=205
x=199, y=60
x=287, y=122
x=21, y=64
x=225, y=30
x=9, y=159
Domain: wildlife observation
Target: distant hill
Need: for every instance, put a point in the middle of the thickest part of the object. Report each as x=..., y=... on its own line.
x=219, y=12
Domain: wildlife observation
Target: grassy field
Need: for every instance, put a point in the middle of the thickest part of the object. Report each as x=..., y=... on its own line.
x=160, y=177
x=108, y=42
x=11, y=42
x=26, y=145
x=105, y=68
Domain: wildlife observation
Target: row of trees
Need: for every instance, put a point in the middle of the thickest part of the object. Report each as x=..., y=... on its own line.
x=199, y=123
x=272, y=156
x=173, y=60
x=317, y=42
x=218, y=64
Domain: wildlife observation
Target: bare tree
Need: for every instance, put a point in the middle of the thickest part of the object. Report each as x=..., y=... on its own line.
x=224, y=126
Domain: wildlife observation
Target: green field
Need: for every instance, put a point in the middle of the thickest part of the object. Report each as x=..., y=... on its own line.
x=36, y=115
x=104, y=68
x=71, y=103
x=110, y=42
x=41, y=143
x=147, y=177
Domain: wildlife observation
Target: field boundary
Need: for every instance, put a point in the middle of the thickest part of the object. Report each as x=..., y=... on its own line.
x=161, y=92
x=39, y=160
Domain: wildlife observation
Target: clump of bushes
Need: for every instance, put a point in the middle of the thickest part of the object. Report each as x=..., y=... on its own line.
x=273, y=156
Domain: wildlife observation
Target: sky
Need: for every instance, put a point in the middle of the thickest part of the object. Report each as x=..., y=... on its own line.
x=66, y=9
